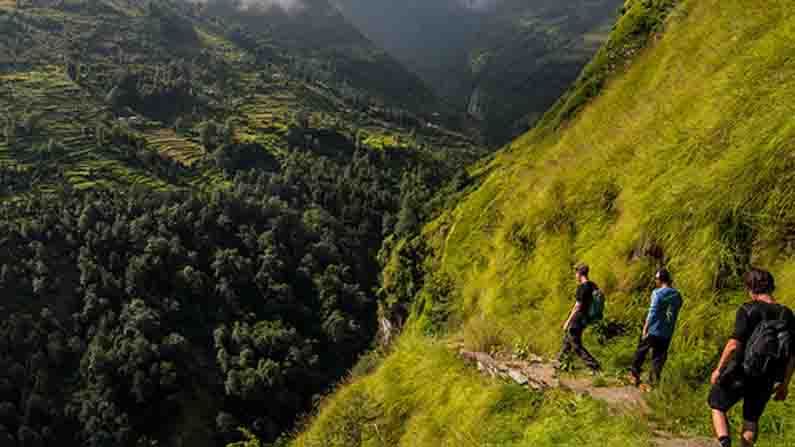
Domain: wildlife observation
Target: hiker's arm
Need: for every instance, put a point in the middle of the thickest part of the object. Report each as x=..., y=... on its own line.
x=574, y=311
x=654, y=310
x=741, y=335
x=731, y=347
x=782, y=392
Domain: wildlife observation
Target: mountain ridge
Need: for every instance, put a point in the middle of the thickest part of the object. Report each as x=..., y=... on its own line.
x=504, y=62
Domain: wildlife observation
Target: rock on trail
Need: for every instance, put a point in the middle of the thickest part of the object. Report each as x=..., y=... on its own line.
x=533, y=373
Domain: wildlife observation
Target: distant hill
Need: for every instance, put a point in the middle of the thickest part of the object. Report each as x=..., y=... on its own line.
x=154, y=76
x=433, y=38
x=504, y=61
x=316, y=29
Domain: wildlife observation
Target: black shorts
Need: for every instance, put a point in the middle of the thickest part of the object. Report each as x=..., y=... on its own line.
x=755, y=397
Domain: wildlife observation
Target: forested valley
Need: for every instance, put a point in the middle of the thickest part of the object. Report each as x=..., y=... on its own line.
x=131, y=315
x=194, y=198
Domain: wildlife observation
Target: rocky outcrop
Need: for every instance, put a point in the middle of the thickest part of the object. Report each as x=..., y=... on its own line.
x=534, y=372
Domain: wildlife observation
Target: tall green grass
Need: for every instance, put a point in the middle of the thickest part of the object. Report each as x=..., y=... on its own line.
x=422, y=395
x=683, y=159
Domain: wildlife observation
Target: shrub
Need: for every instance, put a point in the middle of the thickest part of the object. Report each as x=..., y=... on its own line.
x=481, y=334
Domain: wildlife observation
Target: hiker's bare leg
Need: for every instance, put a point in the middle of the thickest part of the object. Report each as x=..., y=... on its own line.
x=721, y=423
x=750, y=433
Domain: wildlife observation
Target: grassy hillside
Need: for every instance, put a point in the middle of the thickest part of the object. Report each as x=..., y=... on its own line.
x=677, y=154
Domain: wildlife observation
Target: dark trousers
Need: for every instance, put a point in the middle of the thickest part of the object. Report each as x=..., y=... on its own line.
x=659, y=354
x=572, y=342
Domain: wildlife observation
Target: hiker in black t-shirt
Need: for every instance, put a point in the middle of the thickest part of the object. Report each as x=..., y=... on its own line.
x=577, y=322
x=735, y=378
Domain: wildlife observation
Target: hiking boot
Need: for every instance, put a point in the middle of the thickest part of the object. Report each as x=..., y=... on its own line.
x=634, y=379
x=646, y=388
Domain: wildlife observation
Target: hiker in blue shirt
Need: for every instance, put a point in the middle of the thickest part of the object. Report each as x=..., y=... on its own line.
x=658, y=331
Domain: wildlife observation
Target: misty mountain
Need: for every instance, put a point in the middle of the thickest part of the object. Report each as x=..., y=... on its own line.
x=505, y=61
x=317, y=30
x=433, y=38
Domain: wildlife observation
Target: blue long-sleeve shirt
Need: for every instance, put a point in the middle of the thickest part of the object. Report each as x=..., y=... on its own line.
x=666, y=303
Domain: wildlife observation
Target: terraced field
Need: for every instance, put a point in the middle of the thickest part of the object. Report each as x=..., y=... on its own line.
x=63, y=114
x=184, y=150
x=63, y=63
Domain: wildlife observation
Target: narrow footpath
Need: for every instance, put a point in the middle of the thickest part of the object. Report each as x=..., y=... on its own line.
x=539, y=374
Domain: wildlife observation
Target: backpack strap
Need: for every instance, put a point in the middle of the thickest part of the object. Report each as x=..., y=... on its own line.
x=784, y=310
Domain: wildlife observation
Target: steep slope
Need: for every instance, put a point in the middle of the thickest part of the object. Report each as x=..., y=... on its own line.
x=504, y=61
x=678, y=154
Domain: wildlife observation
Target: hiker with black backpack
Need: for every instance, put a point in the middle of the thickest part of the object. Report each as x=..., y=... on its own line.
x=587, y=309
x=666, y=302
x=757, y=362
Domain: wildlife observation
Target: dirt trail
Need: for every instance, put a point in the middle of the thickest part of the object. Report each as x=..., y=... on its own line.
x=539, y=374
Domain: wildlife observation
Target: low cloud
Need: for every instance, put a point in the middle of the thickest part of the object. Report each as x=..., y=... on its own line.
x=479, y=5
x=259, y=5
x=287, y=5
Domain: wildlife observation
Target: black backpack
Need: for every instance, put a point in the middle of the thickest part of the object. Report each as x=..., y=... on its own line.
x=596, y=312
x=770, y=348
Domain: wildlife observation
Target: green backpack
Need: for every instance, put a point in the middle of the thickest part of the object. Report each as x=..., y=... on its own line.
x=596, y=312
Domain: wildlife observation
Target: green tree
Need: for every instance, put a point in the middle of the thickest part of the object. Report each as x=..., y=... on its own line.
x=73, y=70
x=303, y=119
x=229, y=131
x=100, y=134
x=209, y=134
x=11, y=131
x=179, y=124
x=31, y=123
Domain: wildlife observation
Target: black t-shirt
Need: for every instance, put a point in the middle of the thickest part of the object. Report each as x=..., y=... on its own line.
x=749, y=316
x=585, y=298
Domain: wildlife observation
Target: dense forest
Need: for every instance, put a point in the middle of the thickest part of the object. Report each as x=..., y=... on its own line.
x=134, y=317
